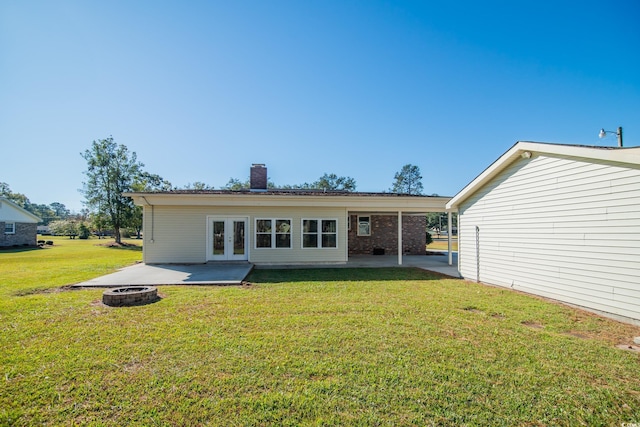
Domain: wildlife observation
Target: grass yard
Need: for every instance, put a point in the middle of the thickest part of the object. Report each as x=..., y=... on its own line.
x=343, y=347
x=443, y=245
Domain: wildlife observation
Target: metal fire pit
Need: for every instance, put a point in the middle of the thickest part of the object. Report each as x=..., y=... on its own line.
x=130, y=295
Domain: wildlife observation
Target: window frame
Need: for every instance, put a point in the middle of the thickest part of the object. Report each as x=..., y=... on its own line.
x=13, y=227
x=319, y=233
x=273, y=233
x=368, y=222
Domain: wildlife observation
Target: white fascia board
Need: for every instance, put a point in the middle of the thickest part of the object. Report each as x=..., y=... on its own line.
x=349, y=202
x=628, y=156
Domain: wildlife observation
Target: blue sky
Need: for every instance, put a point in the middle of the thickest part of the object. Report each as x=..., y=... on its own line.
x=202, y=89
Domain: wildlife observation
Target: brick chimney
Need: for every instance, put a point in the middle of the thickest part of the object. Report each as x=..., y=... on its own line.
x=258, y=177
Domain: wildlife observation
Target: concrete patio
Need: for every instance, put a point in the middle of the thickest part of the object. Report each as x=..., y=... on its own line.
x=233, y=273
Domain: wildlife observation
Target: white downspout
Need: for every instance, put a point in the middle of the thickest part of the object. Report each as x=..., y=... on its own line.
x=458, y=226
x=449, y=233
x=152, y=217
x=399, y=237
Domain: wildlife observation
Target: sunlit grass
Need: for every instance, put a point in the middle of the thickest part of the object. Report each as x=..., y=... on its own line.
x=306, y=347
x=68, y=261
x=442, y=244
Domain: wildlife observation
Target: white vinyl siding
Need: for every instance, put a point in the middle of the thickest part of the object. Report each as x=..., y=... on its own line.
x=557, y=227
x=11, y=213
x=179, y=234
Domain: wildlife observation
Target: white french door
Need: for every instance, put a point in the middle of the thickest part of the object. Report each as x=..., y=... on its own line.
x=227, y=239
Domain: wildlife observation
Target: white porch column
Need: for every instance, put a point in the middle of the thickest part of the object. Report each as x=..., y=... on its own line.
x=399, y=237
x=449, y=233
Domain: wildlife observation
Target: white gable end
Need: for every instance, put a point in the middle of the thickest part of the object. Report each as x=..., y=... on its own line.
x=566, y=228
x=10, y=212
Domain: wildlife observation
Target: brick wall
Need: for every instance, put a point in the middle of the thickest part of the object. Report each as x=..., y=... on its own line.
x=384, y=234
x=26, y=234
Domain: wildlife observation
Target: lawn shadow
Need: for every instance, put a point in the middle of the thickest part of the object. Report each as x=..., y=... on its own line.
x=18, y=249
x=342, y=275
x=126, y=247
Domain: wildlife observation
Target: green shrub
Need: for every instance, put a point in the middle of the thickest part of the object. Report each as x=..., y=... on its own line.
x=429, y=238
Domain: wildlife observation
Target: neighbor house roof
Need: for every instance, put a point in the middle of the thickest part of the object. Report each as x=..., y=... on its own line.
x=524, y=149
x=15, y=213
x=354, y=201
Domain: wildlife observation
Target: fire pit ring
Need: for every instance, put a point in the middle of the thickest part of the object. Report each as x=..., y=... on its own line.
x=130, y=295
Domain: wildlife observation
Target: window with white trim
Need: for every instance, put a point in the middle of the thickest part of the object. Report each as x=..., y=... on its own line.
x=364, y=225
x=9, y=228
x=273, y=233
x=319, y=233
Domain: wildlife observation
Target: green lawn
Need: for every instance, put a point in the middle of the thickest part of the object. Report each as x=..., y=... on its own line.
x=442, y=244
x=358, y=347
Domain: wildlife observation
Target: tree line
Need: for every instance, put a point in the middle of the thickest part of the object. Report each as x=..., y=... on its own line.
x=113, y=170
x=48, y=213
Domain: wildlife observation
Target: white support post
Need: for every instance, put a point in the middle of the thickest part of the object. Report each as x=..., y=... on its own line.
x=449, y=235
x=399, y=237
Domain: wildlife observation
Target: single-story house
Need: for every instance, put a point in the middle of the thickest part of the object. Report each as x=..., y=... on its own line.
x=560, y=221
x=270, y=226
x=19, y=225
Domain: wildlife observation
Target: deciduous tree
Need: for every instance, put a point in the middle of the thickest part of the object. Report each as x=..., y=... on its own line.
x=111, y=171
x=17, y=198
x=198, y=185
x=146, y=182
x=335, y=182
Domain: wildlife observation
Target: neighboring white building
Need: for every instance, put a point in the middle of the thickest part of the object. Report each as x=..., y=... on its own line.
x=17, y=225
x=560, y=221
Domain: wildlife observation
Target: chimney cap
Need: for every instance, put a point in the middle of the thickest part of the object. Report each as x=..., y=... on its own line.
x=257, y=165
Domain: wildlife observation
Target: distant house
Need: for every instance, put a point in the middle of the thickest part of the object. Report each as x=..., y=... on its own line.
x=18, y=224
x=558, y=221
x=268, y=226
x=44, y=230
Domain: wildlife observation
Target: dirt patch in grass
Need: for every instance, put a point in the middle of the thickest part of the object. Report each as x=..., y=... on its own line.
x=118, y=245
x=577, y=334
x=629, y=347
x=35, y=291
x=533, y=325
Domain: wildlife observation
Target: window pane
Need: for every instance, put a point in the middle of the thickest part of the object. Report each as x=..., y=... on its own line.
x=218, y=237
x=329, y=226
x=263, y=226
x=283, y=241
x=309, y=240
x=364, y=226
x=329, y=241
x=283, y=226
x=263, y=240
x=238, y=237
x=310, y=226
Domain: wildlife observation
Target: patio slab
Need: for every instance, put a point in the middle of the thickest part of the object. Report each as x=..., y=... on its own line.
x=437, y=262
x=233, y=273
x=172, y=274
